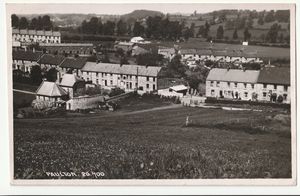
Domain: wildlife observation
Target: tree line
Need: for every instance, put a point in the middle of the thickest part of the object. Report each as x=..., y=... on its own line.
x=154, y=27
x=36, y=23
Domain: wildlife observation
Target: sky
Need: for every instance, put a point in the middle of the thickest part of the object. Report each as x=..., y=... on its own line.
x=117, y=9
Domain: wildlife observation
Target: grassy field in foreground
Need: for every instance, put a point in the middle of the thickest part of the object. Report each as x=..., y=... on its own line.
x=157, y=144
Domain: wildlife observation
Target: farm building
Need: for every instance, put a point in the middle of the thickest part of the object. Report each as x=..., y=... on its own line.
x=72, y=84
x=127, y=77
x=24, y=60
x=36, y=36
x=51, y=92
x=80, y=49
x=252, y=85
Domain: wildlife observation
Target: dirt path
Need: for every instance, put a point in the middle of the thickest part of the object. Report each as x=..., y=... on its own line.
x=27, y=92
x=154, y=109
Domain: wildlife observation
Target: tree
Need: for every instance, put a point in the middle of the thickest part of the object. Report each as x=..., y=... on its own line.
x=33, y=23
x=260, y=20
x=109, y=28
x=47, y=23
x=220, y=32
x=201, y=31
x=150, y=59
x=138, y=29
x=36, y=74
x=282, y=15
x=247, y=35
x=51, y=74
x=23, y=24
x=100, y=26
x=121, y=27
x=176, y=67
x=281, y=39
x=249, y=23
x=235, y=34
x=207, y=26
x=273, y=33
x=14, y=21
x=270, y=16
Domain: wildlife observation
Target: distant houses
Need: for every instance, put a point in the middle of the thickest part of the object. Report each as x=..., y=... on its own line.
x=24, y=60
x=268, y=84
x=72, y=49
x=35, y=36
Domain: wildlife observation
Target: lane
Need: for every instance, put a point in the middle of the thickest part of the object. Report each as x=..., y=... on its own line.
x=22, y=91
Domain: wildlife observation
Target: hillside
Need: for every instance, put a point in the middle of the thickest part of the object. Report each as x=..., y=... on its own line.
x=140, y=14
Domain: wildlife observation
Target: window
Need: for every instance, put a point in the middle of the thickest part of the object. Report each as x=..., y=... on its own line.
x=102, y=74
x=235, y=85
x=97, y=81
x=111, y=74
x=147, y=78
x=275, y=86
x=96, y=74
x=252, y=86
x=218, y=84
x=285, y=87
x=211, y=83
x=265, y=85
x=264, y=94
x=284, y=96
x=228, y=84
x=147, y=86
x=111, y=82
x=246, y=94
x=153, y=86
x=245, y=85
x=153, y=79
x=212, y=92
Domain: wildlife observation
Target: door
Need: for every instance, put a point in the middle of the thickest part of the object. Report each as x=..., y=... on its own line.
x=221, y=94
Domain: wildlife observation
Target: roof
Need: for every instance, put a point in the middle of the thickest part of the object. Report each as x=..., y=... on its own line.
x=66, y=44
x=36, y=32
x=136, y=39
x=26, y=55
x=23, y=31
x=69, y=80
x=124, y=69
x=50, y=89
x=233, y=75
x=75, y=63
x=148, y=47
x=15, y=31
x=125, y=44
x=169, y=50
x=178, y=88
x=51, y=59
x=274, y=75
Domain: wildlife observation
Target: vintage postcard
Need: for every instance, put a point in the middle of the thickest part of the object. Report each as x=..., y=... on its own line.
x=152, y=94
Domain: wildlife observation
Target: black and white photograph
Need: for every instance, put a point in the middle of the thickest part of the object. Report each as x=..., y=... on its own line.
x=142, y=94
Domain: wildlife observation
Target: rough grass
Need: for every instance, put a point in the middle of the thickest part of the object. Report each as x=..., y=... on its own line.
x=153, y=145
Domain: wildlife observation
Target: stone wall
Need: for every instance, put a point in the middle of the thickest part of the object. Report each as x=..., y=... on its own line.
x=84, y=102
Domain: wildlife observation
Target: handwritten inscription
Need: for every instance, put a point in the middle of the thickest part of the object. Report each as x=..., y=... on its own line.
x=89, y=174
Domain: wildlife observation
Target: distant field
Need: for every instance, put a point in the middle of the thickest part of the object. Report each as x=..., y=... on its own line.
x=262, y=51
x=157, y=144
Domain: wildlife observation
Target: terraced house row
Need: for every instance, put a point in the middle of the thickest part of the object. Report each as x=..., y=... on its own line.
x=267, y=84
x=35, y=36
x=107, y=75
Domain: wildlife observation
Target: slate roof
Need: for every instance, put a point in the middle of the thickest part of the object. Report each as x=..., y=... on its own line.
x=50, y=89
x=69, y=80
x=233, y=75
x=36, y=32
x=275, y=75
x=75, y=63
x=26, y=55
x=124, y=69
x=51, y=59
